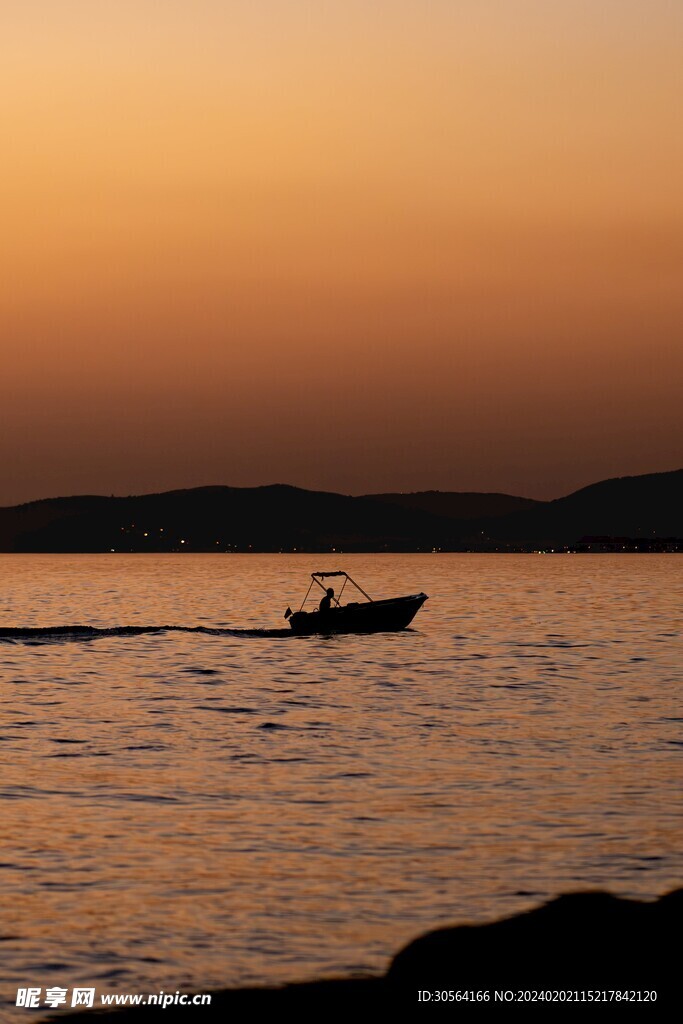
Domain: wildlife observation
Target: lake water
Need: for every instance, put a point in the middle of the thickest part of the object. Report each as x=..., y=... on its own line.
x=189, y=809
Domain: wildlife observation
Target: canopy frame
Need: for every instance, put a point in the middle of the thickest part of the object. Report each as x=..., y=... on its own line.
x=316, y=577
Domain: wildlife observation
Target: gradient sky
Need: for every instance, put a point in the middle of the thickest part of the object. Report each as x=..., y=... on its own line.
x=352, y=245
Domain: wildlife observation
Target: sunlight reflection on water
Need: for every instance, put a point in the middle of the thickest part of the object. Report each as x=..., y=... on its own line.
x=182, y=808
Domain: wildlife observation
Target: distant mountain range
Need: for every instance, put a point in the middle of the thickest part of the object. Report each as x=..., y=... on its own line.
x=459, y=504
x=628, y=513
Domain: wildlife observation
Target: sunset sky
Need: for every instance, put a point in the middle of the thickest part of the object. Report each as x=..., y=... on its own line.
x=362, y=245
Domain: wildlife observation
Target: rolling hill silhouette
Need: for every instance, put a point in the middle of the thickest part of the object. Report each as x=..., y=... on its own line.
x=644, y=510
x=273, y=518
x=458, y=504
x=635, y=507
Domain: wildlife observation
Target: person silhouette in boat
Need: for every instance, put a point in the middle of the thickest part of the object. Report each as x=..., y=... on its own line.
x=326, y=601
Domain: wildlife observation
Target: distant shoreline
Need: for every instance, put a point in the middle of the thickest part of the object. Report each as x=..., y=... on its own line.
x=675, y=548
x=627, y=514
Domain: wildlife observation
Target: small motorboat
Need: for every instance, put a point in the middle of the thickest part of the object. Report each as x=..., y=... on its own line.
x=357, y=617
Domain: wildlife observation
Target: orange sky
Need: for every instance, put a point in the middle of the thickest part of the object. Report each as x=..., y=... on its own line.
x=355, y=246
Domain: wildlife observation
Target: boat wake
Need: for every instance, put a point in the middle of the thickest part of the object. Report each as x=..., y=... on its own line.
x=61, y=634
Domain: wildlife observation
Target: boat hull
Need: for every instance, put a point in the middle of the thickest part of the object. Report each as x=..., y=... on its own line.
x=373, y=617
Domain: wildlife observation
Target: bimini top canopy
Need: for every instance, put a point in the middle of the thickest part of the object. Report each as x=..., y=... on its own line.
x=317, y=576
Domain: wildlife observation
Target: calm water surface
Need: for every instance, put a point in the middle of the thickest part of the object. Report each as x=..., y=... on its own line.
x=188, y=809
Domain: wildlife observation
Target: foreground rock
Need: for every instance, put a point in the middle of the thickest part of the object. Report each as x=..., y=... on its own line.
x=587, y=948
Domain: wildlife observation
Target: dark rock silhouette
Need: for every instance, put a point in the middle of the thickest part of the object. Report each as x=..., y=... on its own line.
x=646, y=510
x=589, y=941
x=580, y=943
